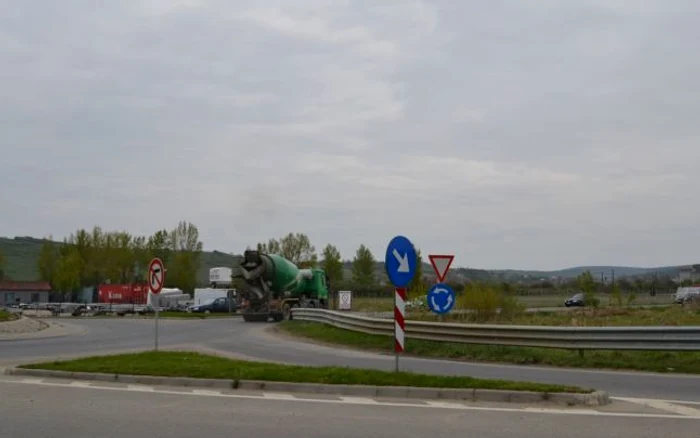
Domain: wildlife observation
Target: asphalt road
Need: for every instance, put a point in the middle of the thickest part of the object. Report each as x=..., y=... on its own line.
x=252, y=341
x=53, y=409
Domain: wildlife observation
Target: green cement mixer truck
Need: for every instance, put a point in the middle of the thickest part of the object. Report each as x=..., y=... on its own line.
x=274, y=285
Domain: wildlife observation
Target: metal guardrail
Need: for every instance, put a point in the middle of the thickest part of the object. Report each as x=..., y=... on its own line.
x=573, y=338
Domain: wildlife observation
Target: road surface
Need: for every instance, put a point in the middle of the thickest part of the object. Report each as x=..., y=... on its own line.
x=53, y=408
x=253, y=341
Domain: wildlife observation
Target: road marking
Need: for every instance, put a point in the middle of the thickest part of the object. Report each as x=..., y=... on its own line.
x=632, y=400
x=205, y=392
x=278, y=396
x=664, y=406
x=441, y=404
x=359, y=401
x=80, y=383
x=34, y=381
x=140, y=388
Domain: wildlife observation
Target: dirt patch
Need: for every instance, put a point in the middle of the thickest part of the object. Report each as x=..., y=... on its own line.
x=22, y=325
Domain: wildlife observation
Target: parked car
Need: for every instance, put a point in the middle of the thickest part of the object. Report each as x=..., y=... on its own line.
x=215, y=305
x=575, y=301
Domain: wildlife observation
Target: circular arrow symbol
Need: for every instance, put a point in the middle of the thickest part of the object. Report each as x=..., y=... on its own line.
x=441, y=298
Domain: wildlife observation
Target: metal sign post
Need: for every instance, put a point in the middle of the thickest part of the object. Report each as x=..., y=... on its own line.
x=156, y=279
x=400, y=263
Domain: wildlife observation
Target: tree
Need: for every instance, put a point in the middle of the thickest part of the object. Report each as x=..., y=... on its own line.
x=271, y=247
x=68, y=269
x=586, y=283
x=158, y=245
x=417, y=286
x=295, y=247
x=363, y=267
x=48, y=259
x=2, y=266
x=186, y=250
x=332, y=263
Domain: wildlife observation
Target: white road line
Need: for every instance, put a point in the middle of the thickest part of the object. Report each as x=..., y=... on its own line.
x=80, y=383
x=34, y=381
x=360, y=401
x=278, y=396
x=633, y=400
x=140, y=388
x=205, y=392
x=664, y=406
x=367, y=401
x=441, y=404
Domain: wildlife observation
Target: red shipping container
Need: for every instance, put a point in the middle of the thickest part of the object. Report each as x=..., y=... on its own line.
x=123, y=293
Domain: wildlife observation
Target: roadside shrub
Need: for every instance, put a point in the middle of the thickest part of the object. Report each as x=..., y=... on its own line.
x=616, y=296
x=486, y=303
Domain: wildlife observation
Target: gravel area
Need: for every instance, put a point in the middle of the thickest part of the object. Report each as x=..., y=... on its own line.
x=22, y=325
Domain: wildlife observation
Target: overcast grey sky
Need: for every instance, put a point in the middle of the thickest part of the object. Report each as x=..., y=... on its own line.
x=514, y=134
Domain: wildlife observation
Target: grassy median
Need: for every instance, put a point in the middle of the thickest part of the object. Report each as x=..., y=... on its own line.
x=187, y=364
x=681, y=362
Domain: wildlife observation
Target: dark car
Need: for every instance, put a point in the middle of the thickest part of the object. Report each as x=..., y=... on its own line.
x=575, y=301
x=217, y=305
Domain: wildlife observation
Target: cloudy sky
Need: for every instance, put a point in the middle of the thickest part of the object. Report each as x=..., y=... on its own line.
x=533, y=134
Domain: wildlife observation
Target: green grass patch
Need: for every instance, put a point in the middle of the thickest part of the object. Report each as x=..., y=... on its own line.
x=681, y=362
x=675, y=315
x=6, y=316
x=186, y=364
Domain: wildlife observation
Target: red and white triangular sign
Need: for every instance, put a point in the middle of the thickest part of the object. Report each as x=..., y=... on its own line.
x=441, y=264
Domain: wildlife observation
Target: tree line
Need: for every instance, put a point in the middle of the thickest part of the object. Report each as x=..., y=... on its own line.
x=88, y=258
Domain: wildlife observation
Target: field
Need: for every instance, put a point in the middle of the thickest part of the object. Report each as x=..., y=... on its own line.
x=386, y=304
x=676, y=315
x=185, y=364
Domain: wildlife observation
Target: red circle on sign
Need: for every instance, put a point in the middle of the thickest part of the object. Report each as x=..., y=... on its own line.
x=154, y=268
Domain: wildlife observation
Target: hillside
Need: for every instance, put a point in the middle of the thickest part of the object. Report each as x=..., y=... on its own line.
x=21, y=255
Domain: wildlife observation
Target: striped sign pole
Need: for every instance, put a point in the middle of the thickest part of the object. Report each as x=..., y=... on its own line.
x=400, y=263
x=399, y=323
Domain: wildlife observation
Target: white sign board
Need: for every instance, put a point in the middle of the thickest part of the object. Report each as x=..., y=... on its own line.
x=344, y=300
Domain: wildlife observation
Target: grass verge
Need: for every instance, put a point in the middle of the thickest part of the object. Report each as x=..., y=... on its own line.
x=681, y=362
x=675, y=315
x=6, y=316
x=187, y=364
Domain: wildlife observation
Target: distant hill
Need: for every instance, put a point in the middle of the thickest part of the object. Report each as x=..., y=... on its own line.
x=21, y=255
x=619, y=271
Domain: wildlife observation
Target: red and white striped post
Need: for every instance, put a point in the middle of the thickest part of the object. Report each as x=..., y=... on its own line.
x=399, y=323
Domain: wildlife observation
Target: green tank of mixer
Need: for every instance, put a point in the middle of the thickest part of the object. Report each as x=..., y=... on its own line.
x=274, y=285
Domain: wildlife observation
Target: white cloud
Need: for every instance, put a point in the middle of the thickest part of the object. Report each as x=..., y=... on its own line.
x=515, y=134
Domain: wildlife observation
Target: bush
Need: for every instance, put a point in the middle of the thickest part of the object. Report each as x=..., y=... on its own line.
x=487, y=303
x=616, y=296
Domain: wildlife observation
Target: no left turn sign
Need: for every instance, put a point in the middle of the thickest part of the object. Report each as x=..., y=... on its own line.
x=156, y=276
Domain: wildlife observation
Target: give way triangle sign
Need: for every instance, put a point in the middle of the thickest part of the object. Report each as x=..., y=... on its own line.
x=441, y=264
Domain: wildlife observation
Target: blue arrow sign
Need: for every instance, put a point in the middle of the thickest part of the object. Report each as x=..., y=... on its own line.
x=441, y=298
x=400, y=261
